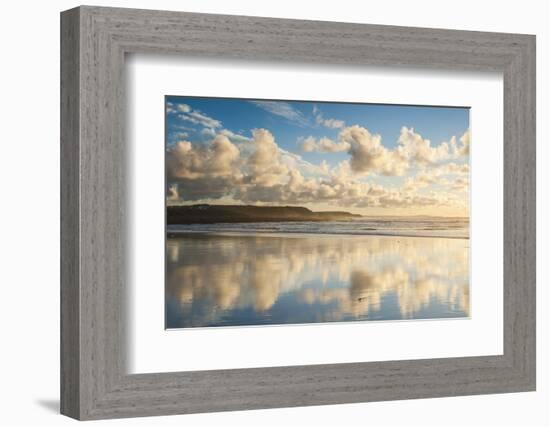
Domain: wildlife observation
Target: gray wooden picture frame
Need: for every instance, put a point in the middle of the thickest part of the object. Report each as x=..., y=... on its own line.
x=94, y=41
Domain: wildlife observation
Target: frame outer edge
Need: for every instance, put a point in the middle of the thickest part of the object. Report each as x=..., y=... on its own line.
x=532, y=129
x=528, y=130
x=70, y=396
x=520, y=215
x=89, y=37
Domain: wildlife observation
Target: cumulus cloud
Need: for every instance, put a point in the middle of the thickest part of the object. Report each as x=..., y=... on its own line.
x=255, y=169
x=259, y=171
x=369, y=155
x=420, y=150
x=265, y=165
x=295, y=161
x=329, y=123
x=440, y=175
x=458, y=149
x=462, y=149
x=218, y=158
x=324, y=144
x=454, y=168
x=460, y=184
x=203, y=171
x=309, y=144
x=423, y=179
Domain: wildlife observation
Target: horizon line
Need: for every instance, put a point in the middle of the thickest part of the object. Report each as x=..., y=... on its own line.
x=315, y=211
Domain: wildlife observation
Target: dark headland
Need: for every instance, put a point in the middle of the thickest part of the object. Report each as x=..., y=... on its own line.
x=210, y=214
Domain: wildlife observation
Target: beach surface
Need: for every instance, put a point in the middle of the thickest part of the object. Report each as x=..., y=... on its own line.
x=295, y=273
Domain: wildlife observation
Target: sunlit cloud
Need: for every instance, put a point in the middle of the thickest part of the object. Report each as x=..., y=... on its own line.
x=323, y=145
x=410, y=173
x=369, y=155
x=259, y=171
x=329, y=123
x=196, y=172
x=420, y=150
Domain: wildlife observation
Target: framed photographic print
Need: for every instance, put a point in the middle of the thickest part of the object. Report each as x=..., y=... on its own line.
x=262, y=213
x=254, y=234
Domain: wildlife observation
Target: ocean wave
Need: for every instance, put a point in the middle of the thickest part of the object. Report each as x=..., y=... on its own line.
x=452, y=228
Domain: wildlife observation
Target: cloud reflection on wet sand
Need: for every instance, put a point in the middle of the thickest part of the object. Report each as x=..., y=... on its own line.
x=215, y=280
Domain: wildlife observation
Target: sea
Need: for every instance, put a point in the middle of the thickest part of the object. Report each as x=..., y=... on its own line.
x=283, y=273
x=388, y=226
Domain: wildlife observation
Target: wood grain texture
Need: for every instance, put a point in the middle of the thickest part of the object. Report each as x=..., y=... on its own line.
x=95, y=383
x=70, y=292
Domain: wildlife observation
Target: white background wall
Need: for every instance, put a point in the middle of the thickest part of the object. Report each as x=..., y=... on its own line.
x=29, y=211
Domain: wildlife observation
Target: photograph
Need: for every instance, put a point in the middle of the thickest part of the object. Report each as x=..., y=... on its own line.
x=272, y=213
x=292, y=212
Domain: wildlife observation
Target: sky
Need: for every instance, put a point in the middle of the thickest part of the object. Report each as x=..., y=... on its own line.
x=371, y=159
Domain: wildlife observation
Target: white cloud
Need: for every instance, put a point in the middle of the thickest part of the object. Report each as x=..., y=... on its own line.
x=180, y=135
x=173, y=108
x=324, y=144
x=420, y=150
x=309, y=144
x=235, y=137
x=235, y=167
x=369, y=155
x=218, y=158
x=423, y=179
x=185, y=112
x=209, y=132
x=333, y=123
x=199, y=118
x=197, y=171
x=170, y=108
x=454, y=169
x=282, y=109
x=183, y=108
x=265, y=173
x=265, y=165
x=437, y=175
x=460, y=184
x=295, y=161
x=464, y=148
x=329, y=123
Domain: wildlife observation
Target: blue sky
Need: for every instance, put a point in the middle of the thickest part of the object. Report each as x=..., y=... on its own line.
x=351, y=139
x=437, y=124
